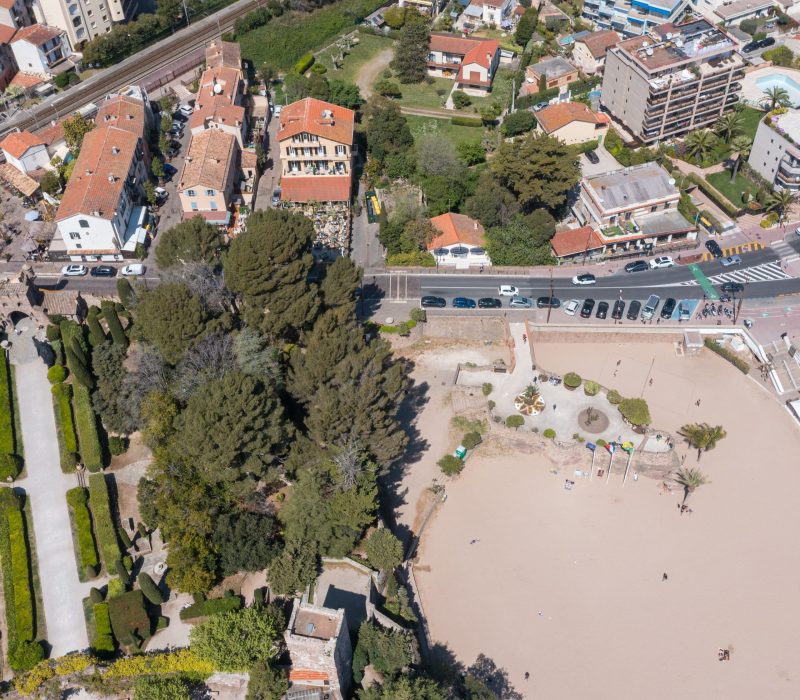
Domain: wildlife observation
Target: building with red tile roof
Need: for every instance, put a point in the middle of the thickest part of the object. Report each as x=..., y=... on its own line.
x=572, y=122
x=576, y=242
x=471, y=62
x=25, y=151
x=208, y=177
x=589, y=51
x=226, y=54
x=41, y=50
x=461, y=241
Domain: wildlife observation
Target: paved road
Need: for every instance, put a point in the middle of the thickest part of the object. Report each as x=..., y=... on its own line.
x=46, y=486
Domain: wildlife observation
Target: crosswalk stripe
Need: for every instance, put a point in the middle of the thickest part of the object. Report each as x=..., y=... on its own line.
x=760, y=273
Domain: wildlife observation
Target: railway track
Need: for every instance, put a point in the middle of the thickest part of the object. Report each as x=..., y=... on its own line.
x=132, y=70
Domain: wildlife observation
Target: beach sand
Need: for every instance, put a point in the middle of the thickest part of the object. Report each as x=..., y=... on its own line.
x=591, y=560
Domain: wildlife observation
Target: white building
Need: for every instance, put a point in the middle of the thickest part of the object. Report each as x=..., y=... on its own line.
x=84, y=20
x=775, y=154
x=734, y=12
x=25, y=151
x=40, y=50
x=461, y=242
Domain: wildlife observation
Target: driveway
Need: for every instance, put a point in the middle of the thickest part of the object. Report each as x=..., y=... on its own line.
x=46, y=486
x=606, y=165
x=371, y=70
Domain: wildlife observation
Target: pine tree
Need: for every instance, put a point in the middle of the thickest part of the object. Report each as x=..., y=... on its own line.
x=340, y=283
x=411, y=53
x=194, y=240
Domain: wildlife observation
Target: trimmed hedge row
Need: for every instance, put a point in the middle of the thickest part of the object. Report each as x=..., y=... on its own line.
x=304, y=63
x=77, y=501
x=212, y=606
x=96, y=334
x=7, y=442
x=466, y=121
x=103, y=521
x=109, y=310
x=20, y=571
x=103, y=641
x=65, y=427
x=88, y=437
x=731, y=357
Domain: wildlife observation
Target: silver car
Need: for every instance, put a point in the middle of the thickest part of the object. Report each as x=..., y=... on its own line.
x=518, y=302
x=731, y=260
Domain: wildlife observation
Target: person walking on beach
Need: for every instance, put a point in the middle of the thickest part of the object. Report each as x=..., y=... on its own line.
x=664, y=576
x=527, y=675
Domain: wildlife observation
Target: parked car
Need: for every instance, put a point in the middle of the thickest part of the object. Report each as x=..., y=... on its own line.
x=797, y=231
x=161, y=194
x=179, y=116
x=103, y=271
x=637, y=266
x=764, y=43
x=602, y=310
x=668, y=308
x=489, y=303
x=544, y=302
x=507, y=290
x=540, y=105
x=684, y=314
x=571, y=307
x=713, y=247
x=584, y=279
x=277, y=110
x=591, y=156
x=661, y=261
x=175, y=132
x=750, y=47
x=731, y=260
x=276, y=196
x=732, y=287
x=619, y=309
x=587, y=308
x=133, y=270
x=169, y=171
x=186, y=109
x=431, y=302
x=650, y=306
x=74, y=270
x=463, y=303
x=633, y=310
x=519, y=302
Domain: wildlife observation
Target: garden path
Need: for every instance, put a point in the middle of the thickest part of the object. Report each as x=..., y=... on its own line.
x=371, y=70
x=46, y=486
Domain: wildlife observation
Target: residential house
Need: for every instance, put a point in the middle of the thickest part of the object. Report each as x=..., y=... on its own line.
x=25, y=151
x=734, y=13
x=678, y=79
x=576, y=243
x=41, y=50
x=320, y=651
x=316, y=146
x=634, y=17
x=554, y=72
x=471, y=62
x=551, y=17
x=775, y=154
x=14, y=14
x=589, y=51
x=223, y=54
x=128, y=109
x=494, y=12
x=572, y=122
x=209, y=174
x=84, y=20
x=7, y=66
x=461, y=241
x=635, y=207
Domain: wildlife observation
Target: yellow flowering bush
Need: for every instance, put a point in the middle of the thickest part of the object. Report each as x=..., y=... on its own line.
x=179, y=661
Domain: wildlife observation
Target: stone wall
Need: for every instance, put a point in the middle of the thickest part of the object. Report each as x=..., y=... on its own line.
x=538, y=334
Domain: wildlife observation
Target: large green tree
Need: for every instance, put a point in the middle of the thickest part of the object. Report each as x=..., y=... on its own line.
x=702, y=436
x=405, y=687
x=518, y=244
x=340, y=283
x=344, y=94
x=194, y=240
x=384, y=550
x=294, y=568
x=268, y=265
x=388, y=134
x=526, y=26
x=267, y=682
x=75, y=128
x=388, y=651
x=492, y=204
x=540, y=170
x=112, y=399
x=245, y=541
x=411, y=53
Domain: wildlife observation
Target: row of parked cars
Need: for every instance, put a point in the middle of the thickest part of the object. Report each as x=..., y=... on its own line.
x=132, y=270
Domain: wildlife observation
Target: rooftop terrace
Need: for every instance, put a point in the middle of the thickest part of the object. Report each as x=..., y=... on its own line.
x=631, y=187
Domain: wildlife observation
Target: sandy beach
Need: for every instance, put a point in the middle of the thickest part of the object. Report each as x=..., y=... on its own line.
x=591, y=560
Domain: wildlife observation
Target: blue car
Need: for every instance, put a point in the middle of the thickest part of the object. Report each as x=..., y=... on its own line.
x=463, y=303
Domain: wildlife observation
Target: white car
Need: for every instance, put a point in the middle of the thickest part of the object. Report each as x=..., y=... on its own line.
x=663, y=261
x=74, y=270
x=571, y=307
x=507, y=290
x=277, y=110
x=161, y=193
x=797, y=230
x=731, y=260
x=133, y=270
x=186, y=110
x=584, y=279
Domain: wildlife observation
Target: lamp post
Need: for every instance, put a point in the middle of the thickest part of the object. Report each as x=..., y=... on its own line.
x=550, y=305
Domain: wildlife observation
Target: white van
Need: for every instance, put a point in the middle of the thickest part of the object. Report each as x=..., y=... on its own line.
x=651, y=306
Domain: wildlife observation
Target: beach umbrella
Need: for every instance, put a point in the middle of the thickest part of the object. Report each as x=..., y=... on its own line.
x=591, y=446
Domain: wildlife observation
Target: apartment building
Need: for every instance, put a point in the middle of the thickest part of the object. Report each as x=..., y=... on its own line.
x=14, y=14
x=775, y=154
x=471, y=62
x=41, y=50
x=589, y=51
x=316, y=147
x=219, y=103
x=677, y=79
x=84, y=20
x=633, y=17
x=209, y=175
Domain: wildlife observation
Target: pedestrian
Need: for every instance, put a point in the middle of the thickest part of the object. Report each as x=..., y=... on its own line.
x=651, y=381
x=481, y=268
x=697, y=403
x=527, y=675
x=619, y=362
x=554, y=407
x=524, y=338
x=664, y=576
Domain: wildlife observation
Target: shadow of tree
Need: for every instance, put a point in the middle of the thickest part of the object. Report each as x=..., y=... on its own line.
x=482, y=680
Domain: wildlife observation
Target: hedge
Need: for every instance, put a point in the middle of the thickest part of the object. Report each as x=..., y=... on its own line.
x=731, y=357
x=466, y=121
x=591, y=388
x=180, y=661
x=304, y=63
x=103, y=521
x=56, y=374
x=549, y=433
x=96, y=334
x=149, y=588
x=65, y=427
x=572, y=380
x=112, y=321
x=20, y=571
x=103, y=641
x=614, y=397
x=7, y=442
x=88, y=437
x=77, y=500
x=10, y=466
x=212, y=606
x=129, y=620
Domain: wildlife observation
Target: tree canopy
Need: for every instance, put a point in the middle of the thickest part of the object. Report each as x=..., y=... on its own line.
x=519, y=244
x=194, y=240
x=384, y=550
x=411, y=52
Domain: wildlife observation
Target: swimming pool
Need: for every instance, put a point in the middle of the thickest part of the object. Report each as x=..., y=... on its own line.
x=784, y=81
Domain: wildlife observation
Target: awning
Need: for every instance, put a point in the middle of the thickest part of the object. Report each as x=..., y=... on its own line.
x=19, y=181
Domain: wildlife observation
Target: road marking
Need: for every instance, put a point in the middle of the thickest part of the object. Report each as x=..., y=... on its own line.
x=735, y=250
x=703, y=281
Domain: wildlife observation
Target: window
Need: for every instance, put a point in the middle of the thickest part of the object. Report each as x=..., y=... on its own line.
x=75, y=236
x=93, y=25
x=78, y=245
x=194, y=206
x=213, y=205
x=104, y=17
x=83, y=223
x=209, y=193
x=654, y=207
x=191, y=193
x=341, y=150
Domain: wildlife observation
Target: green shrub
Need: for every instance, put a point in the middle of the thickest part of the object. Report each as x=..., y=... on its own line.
x=491, y=405
x=122, y=572
x=572, y=380
x=10, y=467
x=515, y=421
x=123, y=536
x=129, y=621
x=466, y=121
x=95, y=595
x=112, y=321
x=53, y=333
x=418, y=315
x=125, y=292
x=58, y=349
x=450, y=464
x=103, y=521
x=65, y=426
x=212, y=606
x=7, y=442
x=117, y=445
x=591, y=388
x=635, y=411
x=614, y=397
x=600, y=442
x=103, y=642
x=96, y=334
x=549, y=433
x=150, y=589
x=304, y=63
x=471, y=440
x=460, y=99
x=88, y=437
x=487, y=388
x=56, y=374
x=115, y=588
x=731, y=357
x=77, y=499
x=25, y=655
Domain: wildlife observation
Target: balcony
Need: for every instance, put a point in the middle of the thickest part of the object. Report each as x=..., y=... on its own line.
x=790, y=167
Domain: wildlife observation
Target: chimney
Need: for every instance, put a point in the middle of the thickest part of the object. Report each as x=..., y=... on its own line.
x=114, y=150
x=475, y=225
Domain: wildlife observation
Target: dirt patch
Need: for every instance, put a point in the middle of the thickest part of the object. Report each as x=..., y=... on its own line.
x=593, y=421
x=371, y=70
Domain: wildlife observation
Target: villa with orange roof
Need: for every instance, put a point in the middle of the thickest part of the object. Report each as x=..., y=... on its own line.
x=316, y=150
x=572, y=122
x=209, y=175
x=471, y=62
x=461, y=241
x=25, y=151
x=14, y=14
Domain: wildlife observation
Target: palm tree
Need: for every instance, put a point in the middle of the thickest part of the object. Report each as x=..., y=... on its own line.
x=782, y=201
x=729, y=126
x=700, y=143
x=702, y=436
x=690, y=479
x=777, y=97
x=741, y=146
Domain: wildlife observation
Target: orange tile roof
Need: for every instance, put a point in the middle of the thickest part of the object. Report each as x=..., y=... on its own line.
x=456, y=228
x=17, y=142
x=6, y=33
x=483, y=54
x=26, y=80
x=208, y=162
x=303, y=674
x=100, y=173
x=554, y=117
x=52, y=133
x=599, y=42
x=320, y=188
x=449, y=43
x=37, y=34
x=218, y=82
x=218, y=110
x=123, y=112
x=574, y=241
x=7, y=4
x=317, y=117
x=224, y=53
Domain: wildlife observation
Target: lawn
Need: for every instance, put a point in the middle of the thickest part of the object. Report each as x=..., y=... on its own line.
x=750, y=119
x=501, y=90
x=367, y=48
x=442, y=127
x=732, y=191
x=426, y=95
x=505, y=38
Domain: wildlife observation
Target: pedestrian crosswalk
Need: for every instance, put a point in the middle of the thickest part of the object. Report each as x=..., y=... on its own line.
x=771, y=271
x=783, y=249
x=736, y=250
